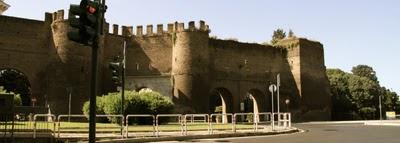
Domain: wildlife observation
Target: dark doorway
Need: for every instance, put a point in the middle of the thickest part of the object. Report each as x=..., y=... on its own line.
x=17, y=82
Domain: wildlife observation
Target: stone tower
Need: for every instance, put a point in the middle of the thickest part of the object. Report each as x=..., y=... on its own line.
x=306, y=60
x=190, y=67
x=69, y=68
x=3, y=6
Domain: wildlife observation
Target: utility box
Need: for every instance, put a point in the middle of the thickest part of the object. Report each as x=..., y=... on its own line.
x=6, y=104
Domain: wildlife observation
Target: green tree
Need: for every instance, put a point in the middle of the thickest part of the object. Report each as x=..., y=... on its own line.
x=342, y=106
x=278, y=35
x=357, y=94
x=291, y=34
x=364, y=92
x=365, y=71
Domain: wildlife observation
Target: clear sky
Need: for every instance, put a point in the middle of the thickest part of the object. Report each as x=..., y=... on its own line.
x=352, y=31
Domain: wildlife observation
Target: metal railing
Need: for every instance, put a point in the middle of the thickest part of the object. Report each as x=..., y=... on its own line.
x=175, y=117
x=247, y=116
x=44, y=125
x=205, y=119
x=140, y=116
x=182, y=124
x=282, y=120
x=224, y=118
x=75, y=124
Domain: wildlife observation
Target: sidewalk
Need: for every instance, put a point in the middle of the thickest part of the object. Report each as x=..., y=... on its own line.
x=149, y=136
x=365, y=122
x=203, y=135
x=383, y=122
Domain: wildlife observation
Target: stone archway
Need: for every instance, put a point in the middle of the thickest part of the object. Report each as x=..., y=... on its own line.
x=253, y=102
x=15, y=81
x=220, y=101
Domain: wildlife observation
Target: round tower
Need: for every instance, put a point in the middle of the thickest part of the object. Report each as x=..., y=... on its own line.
x=69, y=69
x=190, y=67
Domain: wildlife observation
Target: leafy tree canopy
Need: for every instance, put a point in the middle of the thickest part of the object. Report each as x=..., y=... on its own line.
x=356, y=95
x=278, y=35
x=365, y=71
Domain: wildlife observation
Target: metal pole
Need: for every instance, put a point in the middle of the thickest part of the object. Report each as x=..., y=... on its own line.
x=123, y=82
x=380, y=107
x=272, y=110
x=69, y=104
x=278, y=83
x=93, y=84
x=92, y=108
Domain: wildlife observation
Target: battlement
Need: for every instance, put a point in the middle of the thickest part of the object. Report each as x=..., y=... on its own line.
x=56, y=16
x=127, y=31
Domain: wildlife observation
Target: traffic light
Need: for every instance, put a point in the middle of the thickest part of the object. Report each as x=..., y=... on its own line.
x=84, y=20
x=116, y=68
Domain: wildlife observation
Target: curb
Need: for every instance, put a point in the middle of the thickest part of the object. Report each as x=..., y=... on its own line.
x=190, y=137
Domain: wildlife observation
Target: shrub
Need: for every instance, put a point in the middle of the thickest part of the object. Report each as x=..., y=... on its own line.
x=143, y=102
x=17, y=97
x=99, y=108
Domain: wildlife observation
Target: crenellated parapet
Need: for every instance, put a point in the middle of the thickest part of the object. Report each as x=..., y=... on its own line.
x=58, y=15
x=159, y=29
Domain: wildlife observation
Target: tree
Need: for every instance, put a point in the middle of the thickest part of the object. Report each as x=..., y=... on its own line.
x=357, y=94
x=365, y=71
x=278, y=35
x=342, y=107
x=364, y=92
x=291, y=34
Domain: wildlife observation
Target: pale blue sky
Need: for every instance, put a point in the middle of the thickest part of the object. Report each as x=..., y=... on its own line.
x=352, y=31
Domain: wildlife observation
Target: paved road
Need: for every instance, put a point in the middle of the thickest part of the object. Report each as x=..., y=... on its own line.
x=326, y=133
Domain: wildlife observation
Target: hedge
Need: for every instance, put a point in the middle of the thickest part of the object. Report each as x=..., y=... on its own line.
x=142, y=102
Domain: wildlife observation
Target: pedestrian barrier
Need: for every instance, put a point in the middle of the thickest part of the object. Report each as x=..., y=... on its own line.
x=140, y=116
x=170, y=123
x=264, y=118
x=282, y=120
x=18, y=122
x=48, y=124
x=78, y=124
x=221, y=120
x=285, y=120
x=204, y=120
x=7, y=124
x=246, y=119
x=174, y=119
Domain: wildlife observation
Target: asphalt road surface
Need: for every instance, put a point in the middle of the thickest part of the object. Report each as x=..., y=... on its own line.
x=325, y=133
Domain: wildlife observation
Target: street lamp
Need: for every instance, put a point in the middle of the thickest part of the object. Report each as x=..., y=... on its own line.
x=380, y=107
x=272, y=89
x=287, y=101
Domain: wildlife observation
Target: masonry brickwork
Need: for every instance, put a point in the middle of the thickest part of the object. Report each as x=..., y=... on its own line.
x=179, y=60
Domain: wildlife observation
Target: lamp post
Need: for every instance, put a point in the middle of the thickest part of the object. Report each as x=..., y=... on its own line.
x=380, y=107
x=272, y=89
x=287, y=101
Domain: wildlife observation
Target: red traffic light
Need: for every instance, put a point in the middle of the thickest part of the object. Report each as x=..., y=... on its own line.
x=91, y=9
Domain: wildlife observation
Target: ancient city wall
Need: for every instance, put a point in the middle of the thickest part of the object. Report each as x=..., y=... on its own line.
x=306, y=60
x=24, y=47
x=242, y=67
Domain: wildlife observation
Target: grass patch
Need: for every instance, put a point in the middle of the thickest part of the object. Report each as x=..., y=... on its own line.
x=81, y=127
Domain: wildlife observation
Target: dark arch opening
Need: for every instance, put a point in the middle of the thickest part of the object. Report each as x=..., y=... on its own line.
x=254, y=101
x=220, y=101
x=17, y=82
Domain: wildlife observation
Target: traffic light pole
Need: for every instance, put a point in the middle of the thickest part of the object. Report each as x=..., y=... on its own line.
x=92, y=108
x=93, y=83
x=123, y=83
